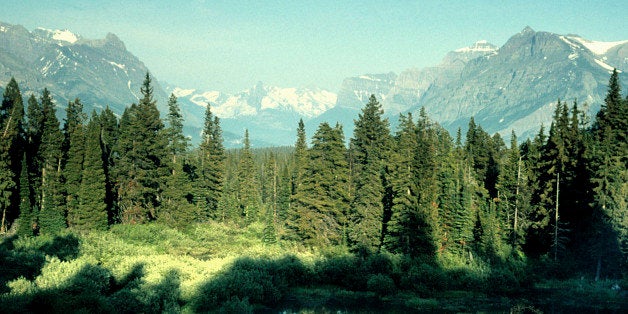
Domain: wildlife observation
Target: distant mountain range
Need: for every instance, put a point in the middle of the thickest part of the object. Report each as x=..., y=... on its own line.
x=511, y=87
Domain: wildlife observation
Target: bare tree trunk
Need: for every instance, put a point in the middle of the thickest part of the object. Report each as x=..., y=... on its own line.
x=514, y=227
x=2, y=225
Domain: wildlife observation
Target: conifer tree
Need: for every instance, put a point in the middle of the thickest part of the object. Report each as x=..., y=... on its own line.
x=211, y=168
x=74, y=153
x=27, y=213
x=537, y=241
x=11, y=123
x=91, y=213
x=177, y=208
x=404, y=187
x=318, y=215
x=370, y=147
x=300, y=157
x=34, y=130
x=52, y=212
x=143, y=162
x=177, y=141
x=509, y=187
x=249, y=197
x=424, y=241
x=609, y=178
x=108, y=142
x=283, y=195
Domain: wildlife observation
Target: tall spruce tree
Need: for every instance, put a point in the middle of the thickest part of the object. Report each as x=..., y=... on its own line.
x=143, y=165
x=108, y=141
x=52, y=212
x=609, y=177
x=34, y=131
x=424, y=241
x=300, y=157
x=11, y=148
x=74, y=154
x=211, y=168
x=370, y=147
x=177, y=141
x=403, y=216
x=177, y=208
x=91, y=212
x=27, y=213
x=318, y=210
x=249, y=197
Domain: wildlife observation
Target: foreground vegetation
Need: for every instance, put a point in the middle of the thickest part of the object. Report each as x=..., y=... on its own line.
x=108, y=214
x=211, y=267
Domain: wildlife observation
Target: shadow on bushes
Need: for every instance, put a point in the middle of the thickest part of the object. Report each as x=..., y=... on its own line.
x=250, y=283
x=94, y=290
x=27, y=262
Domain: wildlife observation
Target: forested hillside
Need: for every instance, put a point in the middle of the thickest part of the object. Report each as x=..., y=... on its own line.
x=557, y=203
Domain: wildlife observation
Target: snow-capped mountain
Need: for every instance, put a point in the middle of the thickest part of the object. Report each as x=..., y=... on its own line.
x=270, y=113
x=514, y=86
x=99, y=72
x=304, y=102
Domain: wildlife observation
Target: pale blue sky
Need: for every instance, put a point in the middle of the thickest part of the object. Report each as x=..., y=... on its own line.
x=230, y=45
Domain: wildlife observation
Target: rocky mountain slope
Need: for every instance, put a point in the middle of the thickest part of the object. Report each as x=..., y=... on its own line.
x=514, y=86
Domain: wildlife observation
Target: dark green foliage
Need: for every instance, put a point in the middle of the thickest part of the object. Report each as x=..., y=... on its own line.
x=177, y=141
x=142, y=165
x=403, y=186
x=74, y=149
x=609, y=180
x=423, y=241
x=108, y=139
x=318, y=215
x=300, y=157
x=91, y=213
x=250, y=281
x=34, y=132
x=27, y=213
x=370, y=149
x=11, y=149
x=249, y=197
x=210, y=169
x=177, y=209
x=52, y=211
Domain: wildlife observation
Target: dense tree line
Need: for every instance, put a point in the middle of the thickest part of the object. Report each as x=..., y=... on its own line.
x=417, y=191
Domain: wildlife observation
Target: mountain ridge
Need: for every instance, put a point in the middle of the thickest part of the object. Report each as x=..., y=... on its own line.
x=514, y=86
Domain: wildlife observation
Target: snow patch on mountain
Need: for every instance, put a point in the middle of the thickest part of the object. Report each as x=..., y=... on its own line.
x=118, y=65
x=59, y=35
x=370, y=78
x=234, y=107
x=204, y=98
x=180, y=92
x=64, y=35
x=307, y=103
x=479, y=46
x=604, y=65
x=598, y=47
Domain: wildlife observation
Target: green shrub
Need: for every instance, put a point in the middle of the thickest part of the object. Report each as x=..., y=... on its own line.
x=381, y=284
x=236, y=305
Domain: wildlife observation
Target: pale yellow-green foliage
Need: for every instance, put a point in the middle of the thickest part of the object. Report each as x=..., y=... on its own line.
x=196, y=255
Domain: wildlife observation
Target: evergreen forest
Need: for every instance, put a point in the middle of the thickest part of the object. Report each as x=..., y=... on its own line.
x=101, y=213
